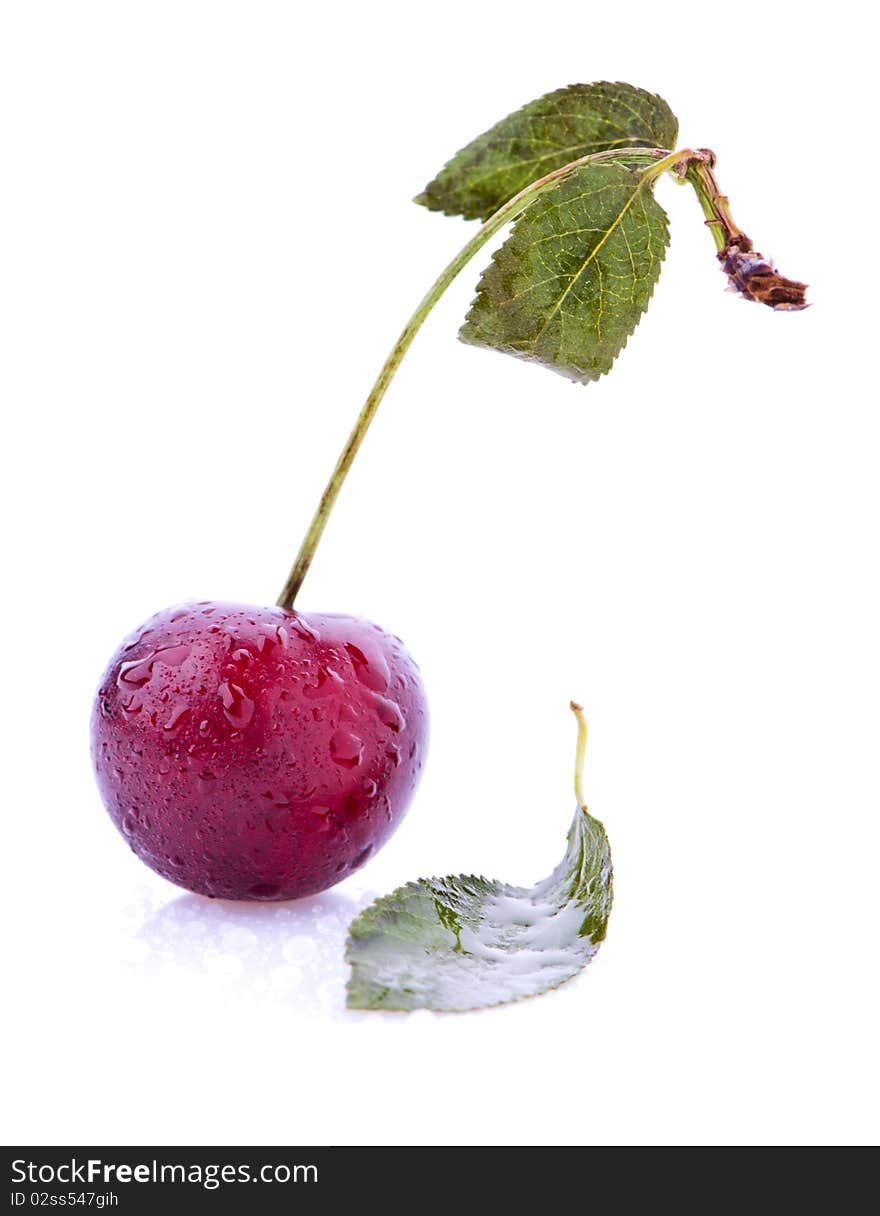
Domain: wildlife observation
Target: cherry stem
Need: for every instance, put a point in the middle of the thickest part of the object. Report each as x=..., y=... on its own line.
x=502, y=216
x=578, y=712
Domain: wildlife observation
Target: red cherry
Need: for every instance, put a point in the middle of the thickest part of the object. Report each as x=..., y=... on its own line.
x=258, y=753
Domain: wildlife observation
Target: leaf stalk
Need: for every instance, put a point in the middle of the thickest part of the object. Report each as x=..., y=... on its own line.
x=580, y=752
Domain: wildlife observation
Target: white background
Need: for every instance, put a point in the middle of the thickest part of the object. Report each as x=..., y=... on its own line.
x=207, y=248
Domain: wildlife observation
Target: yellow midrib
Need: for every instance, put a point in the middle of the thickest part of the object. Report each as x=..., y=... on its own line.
x=587, y=262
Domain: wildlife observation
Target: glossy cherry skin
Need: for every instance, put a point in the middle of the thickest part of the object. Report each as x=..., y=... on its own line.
x=256, y=753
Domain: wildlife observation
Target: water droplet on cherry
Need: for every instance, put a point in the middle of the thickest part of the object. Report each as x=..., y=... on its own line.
x=346, y=749
x=238, y=708
x=180, y=710
x=389, y=713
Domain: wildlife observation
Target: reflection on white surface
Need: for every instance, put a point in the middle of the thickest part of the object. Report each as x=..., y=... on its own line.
x=289, y=953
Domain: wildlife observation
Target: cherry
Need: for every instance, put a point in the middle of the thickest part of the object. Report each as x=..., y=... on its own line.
x=261, y=753
x=258, y=753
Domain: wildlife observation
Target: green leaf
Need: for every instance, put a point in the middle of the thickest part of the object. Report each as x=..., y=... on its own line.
x=572, y=280
x=545, y=135
x=463, y=942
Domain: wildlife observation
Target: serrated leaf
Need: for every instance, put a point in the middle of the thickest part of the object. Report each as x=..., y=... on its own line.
x=545, y=135
x=463, y=942
x=571, y=282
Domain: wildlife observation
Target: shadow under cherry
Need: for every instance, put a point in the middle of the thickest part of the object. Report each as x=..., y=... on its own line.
x=289, y=952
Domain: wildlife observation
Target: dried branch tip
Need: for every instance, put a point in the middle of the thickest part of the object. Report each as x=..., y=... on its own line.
x=756, y=278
